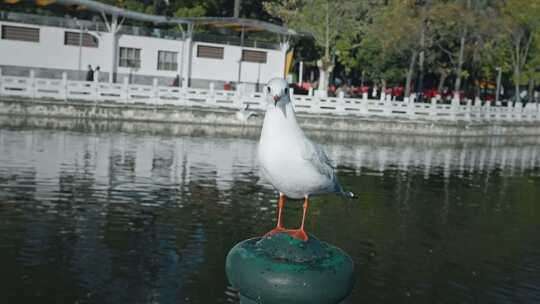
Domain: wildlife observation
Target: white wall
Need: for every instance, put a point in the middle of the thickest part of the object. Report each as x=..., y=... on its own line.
x=149, y=54
x=226, y=69
x=274, y=67
x=50, y=52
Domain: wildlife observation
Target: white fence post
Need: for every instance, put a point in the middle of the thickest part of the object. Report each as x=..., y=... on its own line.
x=212, y=94
x=340, y=103
x=96, y=86
x=125, y=89
x=32, y=84
x=487, y=111
x=64, y=89
x=155, y=92
x=433, y=109
x=1, y=82
x=238, y=96
x=510, y=110
x=468, y=110
x=411, y=107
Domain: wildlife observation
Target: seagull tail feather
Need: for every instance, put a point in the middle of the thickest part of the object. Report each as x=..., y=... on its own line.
x=349, y=194
x=344, y=193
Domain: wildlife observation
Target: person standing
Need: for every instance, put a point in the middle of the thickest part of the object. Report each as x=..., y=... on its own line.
x=96, y=74
x=90, y=74
x=176, y=81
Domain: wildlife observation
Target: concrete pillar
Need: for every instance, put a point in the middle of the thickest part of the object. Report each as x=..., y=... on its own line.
x=113, y=44
x=187, y=54
x=364, y=96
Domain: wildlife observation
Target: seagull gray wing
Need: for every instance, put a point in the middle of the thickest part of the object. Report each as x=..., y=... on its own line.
x=316, y=156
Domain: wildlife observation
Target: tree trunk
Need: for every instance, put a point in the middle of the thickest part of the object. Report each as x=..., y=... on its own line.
x=442, y=78
x=530, y=94
x=420, y=84
x=383, y=88
x=323, y=79
x=517, y=80
x=325, y=66
x=410, y=74
x=237, y=5
x=459, y=69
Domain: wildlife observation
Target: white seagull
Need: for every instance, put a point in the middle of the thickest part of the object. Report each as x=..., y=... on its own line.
x=244, y=114
x=292, y=163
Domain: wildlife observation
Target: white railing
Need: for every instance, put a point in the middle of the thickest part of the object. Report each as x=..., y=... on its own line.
x=98, y=92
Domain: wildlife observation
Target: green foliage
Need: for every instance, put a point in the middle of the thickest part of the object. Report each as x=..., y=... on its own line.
x=330, y=23
x=195, y=11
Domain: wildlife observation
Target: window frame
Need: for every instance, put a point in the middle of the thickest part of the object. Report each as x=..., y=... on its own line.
x=257, y=54
x=167, y=65
x=25, y=36
x=220, y=51
x=85, y=43
x=131, y=55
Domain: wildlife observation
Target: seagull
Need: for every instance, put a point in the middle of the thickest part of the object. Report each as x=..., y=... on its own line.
x=293, y=164
x=244, y=114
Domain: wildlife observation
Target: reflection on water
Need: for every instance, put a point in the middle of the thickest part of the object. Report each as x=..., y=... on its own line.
x=119, y=217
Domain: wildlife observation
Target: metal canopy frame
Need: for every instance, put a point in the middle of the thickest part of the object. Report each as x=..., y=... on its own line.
x=246, y=24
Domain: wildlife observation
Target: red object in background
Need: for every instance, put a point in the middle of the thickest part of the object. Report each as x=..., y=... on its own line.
x=397, y=91
x=388, y=91
x=306, y=85
x=227, y=86
x=364, y=89
x=332, y=88
x=431, y=93
x=489, y=97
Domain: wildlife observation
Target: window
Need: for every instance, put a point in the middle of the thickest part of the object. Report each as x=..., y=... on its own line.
x=20, y=33
x=73, y=38
x=206, y=51
x=167, y=61
x=130, y=57
x=254, y=56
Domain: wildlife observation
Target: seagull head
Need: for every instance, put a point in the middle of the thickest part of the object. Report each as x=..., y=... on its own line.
x=277, y=93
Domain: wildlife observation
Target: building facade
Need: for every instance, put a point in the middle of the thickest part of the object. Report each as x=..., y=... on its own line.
x=51, y=46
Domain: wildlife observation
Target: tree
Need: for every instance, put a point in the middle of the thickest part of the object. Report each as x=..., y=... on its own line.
x=328, y=22
x=521, y=24
x=404, y=38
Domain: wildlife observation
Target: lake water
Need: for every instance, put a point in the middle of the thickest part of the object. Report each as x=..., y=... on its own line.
x=105, y=216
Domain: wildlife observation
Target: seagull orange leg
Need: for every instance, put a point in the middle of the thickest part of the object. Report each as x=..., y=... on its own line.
x=281, y=203
x=301, y=233
x=279, y=227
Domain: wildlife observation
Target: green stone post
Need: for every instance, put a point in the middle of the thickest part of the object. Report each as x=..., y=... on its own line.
x=280, y=269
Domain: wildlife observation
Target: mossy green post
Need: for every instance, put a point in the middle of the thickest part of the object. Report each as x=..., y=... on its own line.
x=280, y=269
